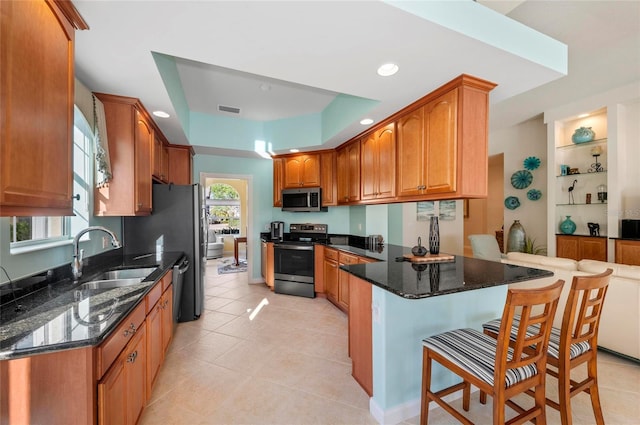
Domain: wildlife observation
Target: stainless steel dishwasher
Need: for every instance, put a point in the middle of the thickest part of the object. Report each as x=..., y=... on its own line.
x=179, y=270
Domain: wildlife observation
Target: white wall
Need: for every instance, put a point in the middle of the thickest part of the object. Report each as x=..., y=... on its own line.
x=629, y=147
x=451, y=231
x=517, y=143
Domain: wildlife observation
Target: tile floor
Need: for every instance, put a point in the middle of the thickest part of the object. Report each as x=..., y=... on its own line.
x=287, y=364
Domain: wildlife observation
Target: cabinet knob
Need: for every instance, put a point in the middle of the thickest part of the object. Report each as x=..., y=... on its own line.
x=131, y=358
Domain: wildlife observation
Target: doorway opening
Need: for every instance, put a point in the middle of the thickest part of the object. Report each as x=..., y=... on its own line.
x=227, y=201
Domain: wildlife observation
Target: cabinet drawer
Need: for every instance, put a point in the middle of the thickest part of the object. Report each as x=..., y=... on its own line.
x=167, y=279
x=331, y=254
x=347, y=258
x=109, y=350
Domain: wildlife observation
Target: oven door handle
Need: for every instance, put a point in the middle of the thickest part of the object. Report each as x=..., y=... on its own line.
x=294, y=247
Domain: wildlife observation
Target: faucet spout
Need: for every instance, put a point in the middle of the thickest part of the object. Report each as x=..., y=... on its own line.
x=76, y=265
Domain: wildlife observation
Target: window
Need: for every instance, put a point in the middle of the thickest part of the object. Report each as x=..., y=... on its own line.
x=223, y=204
x=29, y=231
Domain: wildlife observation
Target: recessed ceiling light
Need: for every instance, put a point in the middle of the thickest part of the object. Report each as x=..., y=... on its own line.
x=583, y=115
x=366, y=121
x=161, y=114
x=387, y=69
x=294, y=150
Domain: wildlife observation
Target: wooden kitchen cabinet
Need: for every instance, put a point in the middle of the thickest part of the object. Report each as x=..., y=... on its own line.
x=278, y=181
x=330, y=274
x=180, y=164
x=348, y=172
x=360, y=333
x=581, y=247
x=343, y=279
x=267, y=264
x=160, y=159
x=131, y=137
x=122, y=391
x=628, y=252
x=159, y=324
x=442, y=145
x=378, y=164
x=302, y=171
x=37, y=98
x=328, y=178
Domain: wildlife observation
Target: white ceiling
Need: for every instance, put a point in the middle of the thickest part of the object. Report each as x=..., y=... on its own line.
x=227, y=53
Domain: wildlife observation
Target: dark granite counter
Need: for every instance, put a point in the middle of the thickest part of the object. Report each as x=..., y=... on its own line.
x=420, y=280
x=48, y=313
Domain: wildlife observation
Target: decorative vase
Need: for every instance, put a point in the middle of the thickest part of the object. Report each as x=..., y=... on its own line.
x=583, y=135
x=568, y=226
x=434, y=236
x=515, y=239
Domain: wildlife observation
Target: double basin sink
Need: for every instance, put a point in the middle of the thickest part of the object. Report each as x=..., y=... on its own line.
x=118, y=278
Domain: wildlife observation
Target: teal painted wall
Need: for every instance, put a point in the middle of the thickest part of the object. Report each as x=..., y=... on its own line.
x=343, y=111
x=296, y=132
x=171, y=78
x=224, y=132
x=358, y=220
x=394, y=225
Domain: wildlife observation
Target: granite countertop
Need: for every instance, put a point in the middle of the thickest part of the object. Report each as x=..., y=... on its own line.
x=55, y=315
x=421, y=280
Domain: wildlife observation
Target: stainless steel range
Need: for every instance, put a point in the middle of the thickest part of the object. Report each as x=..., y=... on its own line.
x=294, y=259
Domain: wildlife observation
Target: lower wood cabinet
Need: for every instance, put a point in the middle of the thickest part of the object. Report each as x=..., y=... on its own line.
x=628, y=252
x=266, y=265
x=360, y=332
x=330, y=274
x=122, y=391
x=159, y=328
x=579, y=248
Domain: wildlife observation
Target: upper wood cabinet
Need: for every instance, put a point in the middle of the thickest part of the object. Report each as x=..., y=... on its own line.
x=131, y=137
x=443, y=143
x=302, y=171
x=180, y=164
x=378, y=164
x=328, y=178
x=348, y=172
x=278, y=181
x=36, y=94
x=160, y=159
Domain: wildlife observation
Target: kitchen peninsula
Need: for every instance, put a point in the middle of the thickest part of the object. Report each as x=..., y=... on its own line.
x=394, y=304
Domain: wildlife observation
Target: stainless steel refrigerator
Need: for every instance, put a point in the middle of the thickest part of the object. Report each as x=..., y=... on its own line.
x=177, y=223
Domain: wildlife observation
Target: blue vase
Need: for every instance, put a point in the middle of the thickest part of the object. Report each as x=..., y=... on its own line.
x=568, y=226
x=583, y=135
x=515, y=239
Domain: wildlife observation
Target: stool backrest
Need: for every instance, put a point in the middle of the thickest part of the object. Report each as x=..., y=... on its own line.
x=583, y=310
x=530, y=344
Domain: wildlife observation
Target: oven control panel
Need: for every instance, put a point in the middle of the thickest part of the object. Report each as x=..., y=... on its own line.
x=308, y=228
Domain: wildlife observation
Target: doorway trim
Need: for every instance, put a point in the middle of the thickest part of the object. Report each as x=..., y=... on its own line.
x=250, y=240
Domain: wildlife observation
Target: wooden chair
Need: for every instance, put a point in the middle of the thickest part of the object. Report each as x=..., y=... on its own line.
x=573, y=344
x=497, y=367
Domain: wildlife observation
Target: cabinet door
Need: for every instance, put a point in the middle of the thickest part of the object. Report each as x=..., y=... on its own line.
x=135, y=369
x=342, y=175
x=154, y=344
x=593, y=249
x=36, y=117
x=628, y=252
x=167, y=319
x=112, y=394
x=157, y=157
x=180, y=165
x=386, y=162
x=331, y=279
x=567, y=247
x=143, y=143
x=410, y=151
x=369, y=166
x=360, y=333
x=343, y=289
x=441, y=143
x=278, y=176
x=328, y=178
x=353, y=170
x=302, y=171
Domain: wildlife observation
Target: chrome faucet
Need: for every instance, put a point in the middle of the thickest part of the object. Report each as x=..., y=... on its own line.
x=78, y=254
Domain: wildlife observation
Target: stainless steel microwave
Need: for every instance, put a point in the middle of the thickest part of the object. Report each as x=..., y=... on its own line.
x=306, y=199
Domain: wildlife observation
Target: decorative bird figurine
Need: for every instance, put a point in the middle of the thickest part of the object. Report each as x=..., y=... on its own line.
x=573, y=185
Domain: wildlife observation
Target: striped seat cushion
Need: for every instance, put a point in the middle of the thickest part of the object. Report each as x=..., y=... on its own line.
x=554, y=340
x=475, y=352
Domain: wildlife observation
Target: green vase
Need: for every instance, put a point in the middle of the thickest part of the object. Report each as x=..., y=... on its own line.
x=515, y=239
x=568, y=226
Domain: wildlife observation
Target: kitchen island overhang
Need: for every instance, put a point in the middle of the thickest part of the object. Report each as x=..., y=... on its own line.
x=410, y=303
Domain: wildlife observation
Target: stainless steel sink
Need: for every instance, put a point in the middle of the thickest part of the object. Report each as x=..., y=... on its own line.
x=110, y=283
x=126, y=273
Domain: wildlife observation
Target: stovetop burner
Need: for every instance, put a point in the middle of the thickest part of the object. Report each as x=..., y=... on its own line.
x=303, y=234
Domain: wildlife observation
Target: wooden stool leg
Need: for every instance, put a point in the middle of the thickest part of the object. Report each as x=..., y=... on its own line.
x=466, y=396
x=426, y=386
x=594, y=393
x=541, y=403
x=483, y=397
x=564, y=392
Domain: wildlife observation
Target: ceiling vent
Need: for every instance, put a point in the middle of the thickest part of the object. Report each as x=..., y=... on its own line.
x=228, y=109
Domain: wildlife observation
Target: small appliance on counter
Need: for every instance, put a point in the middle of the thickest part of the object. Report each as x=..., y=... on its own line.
x=277, y=231
x=630, y=229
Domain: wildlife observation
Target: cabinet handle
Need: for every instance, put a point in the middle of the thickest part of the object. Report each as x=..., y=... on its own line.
x=131, y=358
x=76, y=197
x=132, y=330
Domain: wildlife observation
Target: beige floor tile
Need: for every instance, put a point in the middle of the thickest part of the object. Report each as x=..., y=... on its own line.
x=289, y=365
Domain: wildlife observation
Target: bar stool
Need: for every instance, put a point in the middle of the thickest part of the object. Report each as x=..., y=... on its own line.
x=496, y=366
x=573, y=344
